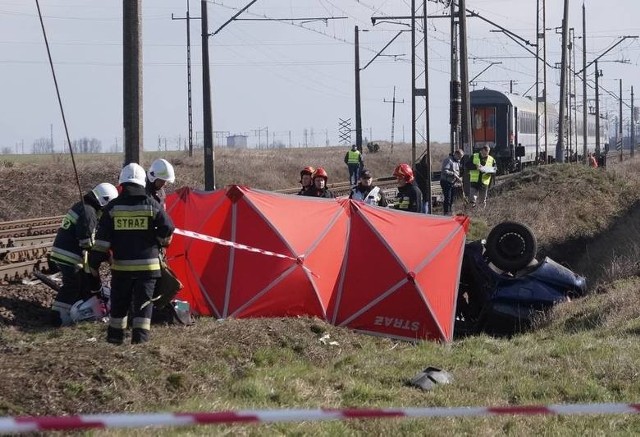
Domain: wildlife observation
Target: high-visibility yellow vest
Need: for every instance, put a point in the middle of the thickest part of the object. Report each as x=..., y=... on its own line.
x=353, y=157
x=474, y=175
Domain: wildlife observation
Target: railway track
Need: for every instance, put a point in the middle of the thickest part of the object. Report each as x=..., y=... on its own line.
x=24, y=245
x=25, y=228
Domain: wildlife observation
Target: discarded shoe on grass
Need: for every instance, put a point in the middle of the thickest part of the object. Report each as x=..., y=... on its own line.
x=430, y=377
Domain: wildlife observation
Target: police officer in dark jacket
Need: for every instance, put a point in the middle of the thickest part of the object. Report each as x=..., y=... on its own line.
x=319, y=187
x=134, y=227
x=367, y=192
x=160, y=173
x=73, y=239
x=409, y=197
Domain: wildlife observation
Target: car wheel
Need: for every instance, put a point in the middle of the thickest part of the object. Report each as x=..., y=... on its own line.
x=511, y=246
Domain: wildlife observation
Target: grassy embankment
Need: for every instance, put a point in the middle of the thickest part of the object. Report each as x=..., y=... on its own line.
x=586, y=351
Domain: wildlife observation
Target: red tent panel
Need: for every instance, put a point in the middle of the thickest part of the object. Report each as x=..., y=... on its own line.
x=401, y=275
x=372, y=269
x=438, y=282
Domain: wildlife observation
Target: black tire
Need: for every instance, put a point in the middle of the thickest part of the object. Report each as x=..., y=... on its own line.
x=511, y=246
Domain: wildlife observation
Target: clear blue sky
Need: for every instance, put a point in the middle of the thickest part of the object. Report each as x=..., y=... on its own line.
x=271, y=75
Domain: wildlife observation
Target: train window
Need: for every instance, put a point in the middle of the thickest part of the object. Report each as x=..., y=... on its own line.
x=526, y=122
x=484, y=124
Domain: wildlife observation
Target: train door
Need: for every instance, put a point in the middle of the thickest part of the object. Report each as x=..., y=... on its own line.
x=484, y=126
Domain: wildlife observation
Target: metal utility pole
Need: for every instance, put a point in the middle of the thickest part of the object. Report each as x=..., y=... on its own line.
x=425, y=53
x=413, y=82
x=209, y=156
x=563, y=85
x=574, y=81
x=393, y=113
x=632, y=125
x=189, y=110
x=541, y=69
x=620, y=122
x=417, y=92
x=584, y=85
x=132, y=79
x=466, y=140
x=454, y=90
x=358, y=105
x=544, y=80
x=598, y=74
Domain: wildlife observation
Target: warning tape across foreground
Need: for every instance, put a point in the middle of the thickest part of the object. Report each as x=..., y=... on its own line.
x=220, y=241
x=103, y=421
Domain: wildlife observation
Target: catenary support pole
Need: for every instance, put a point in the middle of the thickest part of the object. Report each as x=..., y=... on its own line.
x=597, y=108
x=209, y=156
x=632, y=127
x=620, y=135
x=357, y=92
x=562, y=112
x=466, y=140
x=584, y=85
x=132, y=79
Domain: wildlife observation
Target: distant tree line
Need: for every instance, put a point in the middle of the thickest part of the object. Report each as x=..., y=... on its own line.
x=44, y=145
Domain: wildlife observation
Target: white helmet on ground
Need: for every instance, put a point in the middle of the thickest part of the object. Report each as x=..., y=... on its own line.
x=163, y=170
x=133, y=173
x=105, y=193
x=87, y=310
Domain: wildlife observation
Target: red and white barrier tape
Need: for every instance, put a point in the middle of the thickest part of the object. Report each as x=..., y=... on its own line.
x=103, y=421
x=220, y=241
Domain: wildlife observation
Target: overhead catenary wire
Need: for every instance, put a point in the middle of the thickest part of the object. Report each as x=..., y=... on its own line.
x=64, y=119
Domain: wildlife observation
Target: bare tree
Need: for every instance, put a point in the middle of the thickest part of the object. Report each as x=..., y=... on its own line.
x=86, y=145
x=41, y=146
x=6, y=150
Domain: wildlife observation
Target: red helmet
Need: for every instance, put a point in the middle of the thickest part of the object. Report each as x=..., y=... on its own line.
x=404, y=171
x=307, y=170
x=320, y=173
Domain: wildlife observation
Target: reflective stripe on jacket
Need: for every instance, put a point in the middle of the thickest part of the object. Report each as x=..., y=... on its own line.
x=76, y=232
x=409, y=198
x=134, y=227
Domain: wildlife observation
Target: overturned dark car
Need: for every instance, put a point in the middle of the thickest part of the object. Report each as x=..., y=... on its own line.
x=503, y=287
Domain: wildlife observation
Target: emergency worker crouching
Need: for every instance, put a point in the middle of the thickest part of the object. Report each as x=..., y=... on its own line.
x=74, y=238
x=306, y=179
x=483, y=167
x=160, y=173
x=409, y=197
x=319, y=188
x=134, y=228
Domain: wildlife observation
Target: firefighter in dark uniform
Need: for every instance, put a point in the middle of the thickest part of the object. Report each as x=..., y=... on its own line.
x=160, y=173
x=409, y=197
x=305, y=179
x=73, y=239
x=319, y=187
x=134, y=228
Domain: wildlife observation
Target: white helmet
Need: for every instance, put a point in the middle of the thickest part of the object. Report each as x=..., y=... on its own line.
x=105, y=193
x=163, y=170
x=87, y=310
x=133, y=173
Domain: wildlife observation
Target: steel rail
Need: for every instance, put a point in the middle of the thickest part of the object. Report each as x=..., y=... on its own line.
x=14, y=272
